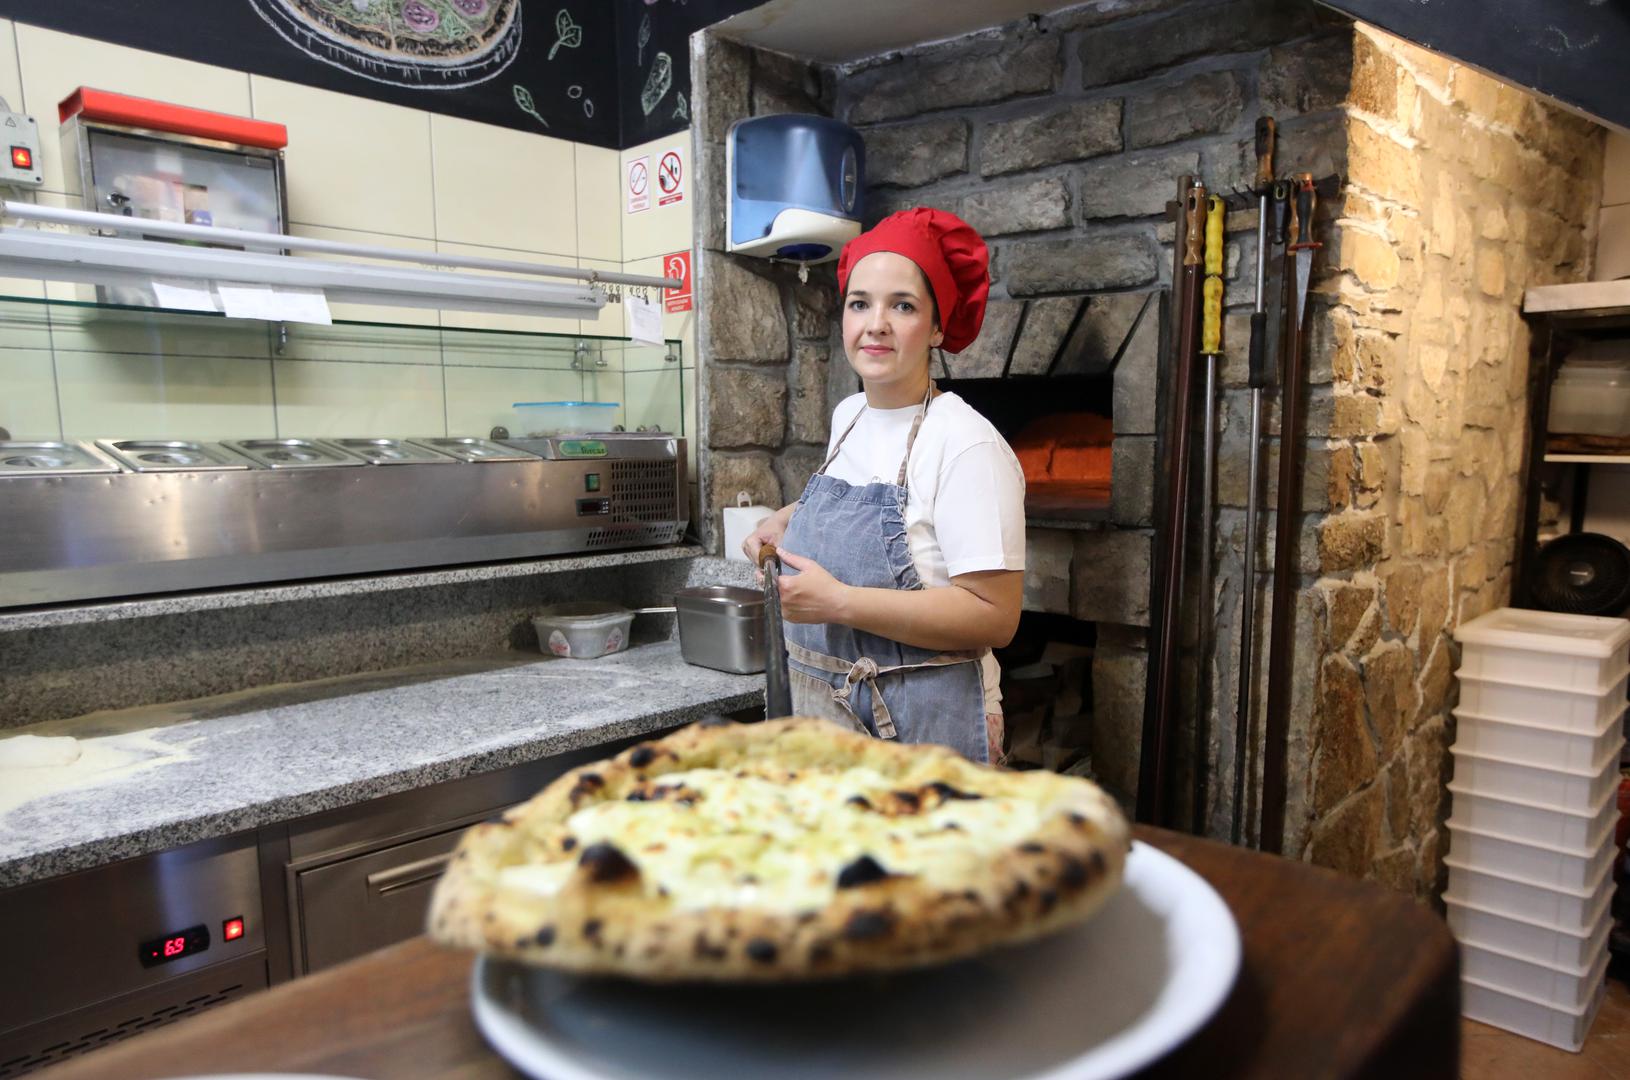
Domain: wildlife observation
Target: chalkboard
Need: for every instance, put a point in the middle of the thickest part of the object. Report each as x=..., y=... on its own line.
x=1575, y=51
x=574, y=69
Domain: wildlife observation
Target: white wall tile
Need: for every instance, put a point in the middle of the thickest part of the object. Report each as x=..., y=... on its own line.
x=352, y=163
x=326, y=398
x=481, y=398
x=599, y=204
x=478, y=320
x=54, y=65
x=504, y=188
x=184, y=397
x=660, y=229
x=28, y=394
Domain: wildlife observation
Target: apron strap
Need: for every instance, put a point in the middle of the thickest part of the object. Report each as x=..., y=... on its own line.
x=866, y=670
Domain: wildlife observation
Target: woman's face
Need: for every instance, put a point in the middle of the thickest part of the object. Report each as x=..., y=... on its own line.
x=888, y=320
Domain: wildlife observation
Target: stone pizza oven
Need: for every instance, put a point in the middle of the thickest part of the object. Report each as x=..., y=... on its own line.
x=1061, y=138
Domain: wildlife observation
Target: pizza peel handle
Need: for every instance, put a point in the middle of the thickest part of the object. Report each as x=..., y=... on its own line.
x=777, y=691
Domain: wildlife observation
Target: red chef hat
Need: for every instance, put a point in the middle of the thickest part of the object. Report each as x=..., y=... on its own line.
x=952, y=257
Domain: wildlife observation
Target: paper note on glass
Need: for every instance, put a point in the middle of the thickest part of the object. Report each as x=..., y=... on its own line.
x=179, y=297
x=644, y=320
x=274, y=305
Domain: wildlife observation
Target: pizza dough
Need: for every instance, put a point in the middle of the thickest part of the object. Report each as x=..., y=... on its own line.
x=790, y=849
x=38, y=751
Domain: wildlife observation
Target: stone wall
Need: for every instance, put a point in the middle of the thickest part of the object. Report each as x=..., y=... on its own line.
x=767, y=342
x=1061, y=139
x=1461, y=193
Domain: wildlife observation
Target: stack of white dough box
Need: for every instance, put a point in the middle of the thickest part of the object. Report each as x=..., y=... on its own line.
x=1540, y=728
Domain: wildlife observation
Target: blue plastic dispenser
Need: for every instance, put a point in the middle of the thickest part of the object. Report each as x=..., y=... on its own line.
x=795, y=184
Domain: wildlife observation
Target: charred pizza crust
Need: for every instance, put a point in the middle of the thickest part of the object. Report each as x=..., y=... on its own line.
x=606, y=917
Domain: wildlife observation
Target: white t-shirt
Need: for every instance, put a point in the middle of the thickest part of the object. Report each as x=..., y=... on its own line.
x=965, y=509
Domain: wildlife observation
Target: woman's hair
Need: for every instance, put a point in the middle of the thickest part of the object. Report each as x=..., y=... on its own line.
x=928, y=291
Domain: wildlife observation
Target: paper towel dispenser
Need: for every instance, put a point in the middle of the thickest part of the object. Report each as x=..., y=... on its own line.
x=795, y=183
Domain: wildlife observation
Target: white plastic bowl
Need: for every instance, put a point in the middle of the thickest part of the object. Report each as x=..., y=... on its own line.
x=1536, y=744
x=1572, y=710
x=1563, y=1028
x=1559, y=987
x=1565, y=868
x=583, y=629
x=1581, y=789
x=1527, y=899
x=1564, y=947
x=1534, y=822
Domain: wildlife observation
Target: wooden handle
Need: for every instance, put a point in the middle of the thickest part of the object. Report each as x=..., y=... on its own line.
x=1216, y=209
x=766, y=554
x=1267, y=133
x=1194, y=212
x=1307, y=201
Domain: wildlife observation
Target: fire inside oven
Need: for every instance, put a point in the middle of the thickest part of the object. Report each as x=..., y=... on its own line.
x=1060, y=428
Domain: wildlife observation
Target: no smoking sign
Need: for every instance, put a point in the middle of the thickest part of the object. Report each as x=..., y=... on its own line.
x=638, y=185
x=671, y=177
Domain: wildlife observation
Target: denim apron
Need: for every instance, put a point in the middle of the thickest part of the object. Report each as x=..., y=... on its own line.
x=860, y=680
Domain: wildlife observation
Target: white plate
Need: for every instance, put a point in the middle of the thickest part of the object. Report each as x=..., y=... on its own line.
x=1095, y=1001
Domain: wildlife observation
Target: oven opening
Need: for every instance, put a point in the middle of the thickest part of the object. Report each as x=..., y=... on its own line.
x=1060, y=428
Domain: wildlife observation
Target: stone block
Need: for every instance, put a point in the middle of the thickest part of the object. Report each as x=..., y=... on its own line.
x=1122, y=52
x=785, y=84
x=1437, y=678
x=1134, y=402
x=815, y=306
x=1048, y=553
x=809, y=419
x=746, y=406
x=986, y=358
x=1132, y=185
x=1101, y=12
x=1389, y=693
x=1371, y=258
x=1352, y=540
x=1403, y=589
x=710, y=195
x=720, y=93
x=1132, y=491
x=1375, y=78
x=1046, y=321
x=1379, y=163
x=727, y=474
x=1346, y=757
x=999, y=209
x=1309, y=76
x=910, y=155
x=741, y=316
x=1345, y=840
x=1111, y=572
x=1068, y=133
x=794, y=467
x=978, y=72
x=1093, y=263
x=1491, y=272
x=1347, y=604
x=1119, y=679
x=1201, y=105
x=1101, y=333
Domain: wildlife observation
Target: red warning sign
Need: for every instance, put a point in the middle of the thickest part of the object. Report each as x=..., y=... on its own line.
x=671, y=178
x=677, y=265
x=638, y=187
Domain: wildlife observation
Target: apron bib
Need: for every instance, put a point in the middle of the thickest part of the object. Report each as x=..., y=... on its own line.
x=863, y=681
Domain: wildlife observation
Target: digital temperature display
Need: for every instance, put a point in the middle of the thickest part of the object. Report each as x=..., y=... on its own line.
x=174, y=946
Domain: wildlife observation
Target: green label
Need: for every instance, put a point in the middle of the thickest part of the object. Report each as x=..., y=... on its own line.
x=583, y=448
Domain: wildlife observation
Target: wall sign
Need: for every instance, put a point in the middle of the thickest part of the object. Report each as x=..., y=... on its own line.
x=637, y=184
x=677, y=265
x=609, y=74
x=671, y=177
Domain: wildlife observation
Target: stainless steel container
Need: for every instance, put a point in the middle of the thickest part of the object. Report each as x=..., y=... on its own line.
x=721, y=627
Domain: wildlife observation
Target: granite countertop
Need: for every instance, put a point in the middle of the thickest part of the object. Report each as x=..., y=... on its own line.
x=154, y=778
x=101, y=611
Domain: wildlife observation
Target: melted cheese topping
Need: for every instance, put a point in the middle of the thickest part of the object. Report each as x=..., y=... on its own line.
x=779, y=844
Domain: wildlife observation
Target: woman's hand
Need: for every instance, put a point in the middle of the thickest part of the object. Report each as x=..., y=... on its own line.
x=813, y=595
x=769, y=531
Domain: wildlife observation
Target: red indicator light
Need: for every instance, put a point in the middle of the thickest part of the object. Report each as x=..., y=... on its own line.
x=22, y=157
x=232, y=929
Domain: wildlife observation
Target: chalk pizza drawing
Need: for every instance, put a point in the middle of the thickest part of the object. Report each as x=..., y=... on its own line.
x=657, y=83
x=567, y=33
x=421, y=44
x=682, y=109
x=644, y=36
x=523, y=99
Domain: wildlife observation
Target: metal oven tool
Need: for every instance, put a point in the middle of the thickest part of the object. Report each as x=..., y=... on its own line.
x=777, y=680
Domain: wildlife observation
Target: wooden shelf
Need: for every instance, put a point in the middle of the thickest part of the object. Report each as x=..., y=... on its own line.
x=1579, y=298
x=1590, y=459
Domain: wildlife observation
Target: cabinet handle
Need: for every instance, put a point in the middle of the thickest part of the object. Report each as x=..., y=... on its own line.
x=413, y=873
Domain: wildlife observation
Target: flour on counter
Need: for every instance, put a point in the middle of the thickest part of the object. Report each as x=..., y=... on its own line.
x=34, y=766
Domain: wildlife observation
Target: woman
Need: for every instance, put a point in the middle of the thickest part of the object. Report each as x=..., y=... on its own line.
x=905, y=553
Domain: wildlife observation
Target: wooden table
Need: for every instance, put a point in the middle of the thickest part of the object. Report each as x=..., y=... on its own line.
x=1339, y=979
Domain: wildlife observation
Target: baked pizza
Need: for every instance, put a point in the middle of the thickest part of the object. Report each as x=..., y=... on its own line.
x=789, y=849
